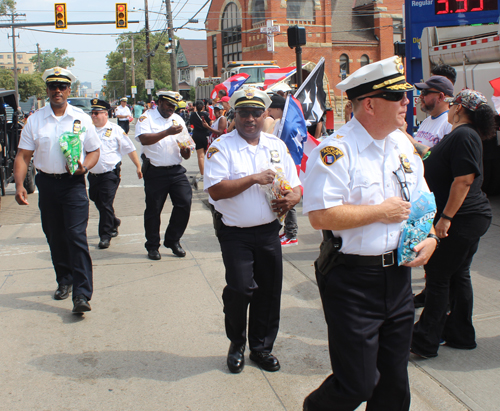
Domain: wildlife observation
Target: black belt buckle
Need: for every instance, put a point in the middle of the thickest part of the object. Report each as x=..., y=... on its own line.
x=388, y=259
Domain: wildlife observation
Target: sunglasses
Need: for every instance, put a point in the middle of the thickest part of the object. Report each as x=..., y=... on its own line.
x=60, y=86
x=427, y=92
x=401, y=177
x=389, y=96
x=95, y=113
x=248, y=113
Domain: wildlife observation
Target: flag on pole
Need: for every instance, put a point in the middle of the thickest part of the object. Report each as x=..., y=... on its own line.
x=496, y=93
x=312, y=95
x=230, y=85
x=293, y=129
x=273, y=75
x=309, y=145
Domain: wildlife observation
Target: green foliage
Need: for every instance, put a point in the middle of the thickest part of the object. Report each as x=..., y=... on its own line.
x=7, y=6
x=160, y=66
x=28, y=84
x=49, y=59
x=7, y=79
x=192, y=94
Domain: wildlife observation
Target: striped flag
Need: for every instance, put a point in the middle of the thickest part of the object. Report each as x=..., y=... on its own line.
x=273, y=75
x=309, y=145
x=230, y=85
x=496, y=93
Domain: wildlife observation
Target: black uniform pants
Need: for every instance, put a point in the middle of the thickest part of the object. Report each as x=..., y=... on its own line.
x=254, y=275
x=102, y=191
x=448, y=276
x=64, y=211
x=159, y=182
x=369, y=312
x=124, y=124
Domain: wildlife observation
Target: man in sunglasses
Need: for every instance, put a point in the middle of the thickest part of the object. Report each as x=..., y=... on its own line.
x=62, y=197
x=357, y=189
x=104, y=177
x=237, y=165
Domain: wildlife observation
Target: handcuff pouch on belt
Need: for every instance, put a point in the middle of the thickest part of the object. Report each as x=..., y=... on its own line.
x=218, y=224
x=118, y=168
x=145, y=164
x=329, y=253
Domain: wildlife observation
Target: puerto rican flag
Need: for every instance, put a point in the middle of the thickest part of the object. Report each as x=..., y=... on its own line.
x=273, y=75
x=230, y=85
x=309, y=145
x=496, y=93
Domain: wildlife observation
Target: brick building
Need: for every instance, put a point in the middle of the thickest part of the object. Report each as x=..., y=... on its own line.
x=348, y=33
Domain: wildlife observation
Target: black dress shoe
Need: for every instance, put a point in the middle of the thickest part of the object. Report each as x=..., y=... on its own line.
x=114, y=231
x=176, y=249
x=81, y=304
x=104, y=243
x=62, y=292
x=154, y=255
x=236, y=358
x=266, y=360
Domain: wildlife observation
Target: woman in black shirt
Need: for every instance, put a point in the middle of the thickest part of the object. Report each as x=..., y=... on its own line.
x=453, y=171
x=200, y=132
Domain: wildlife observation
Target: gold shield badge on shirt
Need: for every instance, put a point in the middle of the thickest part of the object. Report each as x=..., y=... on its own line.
x=108, y=132
x=275, y=156
x=330, y=155
x=405, y=163
x=211, y=151
x=141, y=118
x=77, y=126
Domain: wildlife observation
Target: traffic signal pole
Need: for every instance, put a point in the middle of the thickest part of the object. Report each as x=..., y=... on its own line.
x=173, y=61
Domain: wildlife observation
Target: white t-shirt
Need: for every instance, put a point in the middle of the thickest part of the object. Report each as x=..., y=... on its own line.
x=123, y=111
x=433, y=129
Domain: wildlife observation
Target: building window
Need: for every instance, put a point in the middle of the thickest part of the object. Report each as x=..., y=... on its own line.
x=19, y=56
x=364, y=60
x=300, y=10
x=231, y=34
x=397, y=30
x=1, y=56
x=214, y=55
x=9, y=56
x=258, y=11
x=344, y=63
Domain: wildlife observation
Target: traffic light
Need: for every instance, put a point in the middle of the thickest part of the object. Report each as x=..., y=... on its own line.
x=61, y=20
x=121, y=16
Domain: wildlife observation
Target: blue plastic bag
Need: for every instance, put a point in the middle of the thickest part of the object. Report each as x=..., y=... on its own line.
x=417, y=227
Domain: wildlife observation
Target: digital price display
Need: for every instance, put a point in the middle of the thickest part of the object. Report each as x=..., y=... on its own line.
x=464, y=6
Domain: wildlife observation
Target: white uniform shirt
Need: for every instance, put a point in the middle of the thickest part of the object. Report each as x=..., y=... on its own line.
x=165, y=152
x=350, y=167
x=42, y=131
x=114, y=144
x=433, y=129
x=123, y=111
x=231, y=158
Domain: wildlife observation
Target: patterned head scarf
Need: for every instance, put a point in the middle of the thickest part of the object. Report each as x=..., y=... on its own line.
x=470, y=99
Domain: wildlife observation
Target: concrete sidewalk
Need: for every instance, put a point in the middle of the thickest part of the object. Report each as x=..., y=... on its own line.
x=155, y=337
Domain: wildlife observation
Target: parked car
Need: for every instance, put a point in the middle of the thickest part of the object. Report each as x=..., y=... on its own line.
x=81, y=102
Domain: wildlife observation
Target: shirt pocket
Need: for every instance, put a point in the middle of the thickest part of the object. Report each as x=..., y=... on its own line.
x=43, y=143
x=239, y=170
x=367, y=189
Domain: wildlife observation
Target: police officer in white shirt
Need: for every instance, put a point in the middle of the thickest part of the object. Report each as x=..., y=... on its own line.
x=237, y=165
x=62, y=197
x=163, y=174
x=123, y=113
x=358, y=187
x=104, y=177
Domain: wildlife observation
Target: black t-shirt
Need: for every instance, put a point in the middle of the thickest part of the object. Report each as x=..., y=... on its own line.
x=195, y=120
x=459, y=153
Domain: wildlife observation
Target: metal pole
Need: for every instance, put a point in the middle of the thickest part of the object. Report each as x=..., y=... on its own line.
x=133, y=63
x=148, y=72
x=173, y=62
x=298, y=55
x=124, y=72
x=14, y=58
x=39, y=60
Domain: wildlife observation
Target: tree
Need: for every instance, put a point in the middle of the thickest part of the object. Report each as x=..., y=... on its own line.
x=7, y=79
x=7, y=6
x=160, y=65
x=51, y=59
x=28, y=84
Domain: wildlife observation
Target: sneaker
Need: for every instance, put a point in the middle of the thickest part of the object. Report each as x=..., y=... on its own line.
x=287, y=242
x=281, y=236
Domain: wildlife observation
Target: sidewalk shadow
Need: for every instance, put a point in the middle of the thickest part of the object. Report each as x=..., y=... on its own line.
x=123, y=365
x=17, y=302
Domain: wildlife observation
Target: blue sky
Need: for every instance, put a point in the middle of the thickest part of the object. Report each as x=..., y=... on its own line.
x=90, y=51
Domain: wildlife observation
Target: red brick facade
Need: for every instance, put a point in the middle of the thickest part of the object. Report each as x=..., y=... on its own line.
x=329, y=35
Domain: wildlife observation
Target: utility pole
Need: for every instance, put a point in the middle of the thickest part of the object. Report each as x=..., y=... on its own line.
x=173, y=62
x=124, y=72
x=14, y=55
x=133, y=64
x=39, y=60
x=148, y=72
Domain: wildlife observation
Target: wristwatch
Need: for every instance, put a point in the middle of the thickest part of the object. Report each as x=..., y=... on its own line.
x=86, y=169
x=438, y=240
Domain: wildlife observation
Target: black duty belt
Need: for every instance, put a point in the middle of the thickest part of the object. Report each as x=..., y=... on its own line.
x=56, y=176
x=167, y=167
x=385, y=260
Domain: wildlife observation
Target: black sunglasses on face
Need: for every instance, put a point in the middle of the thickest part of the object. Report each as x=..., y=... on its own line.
x=401, y=177
x=248, y=113
x=60, y=86
x=389, y=96
x=427, y=92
